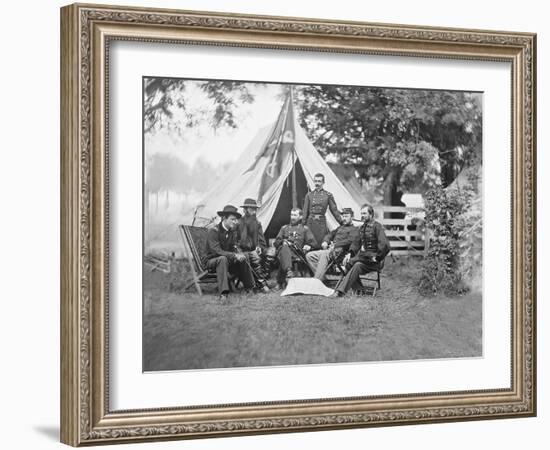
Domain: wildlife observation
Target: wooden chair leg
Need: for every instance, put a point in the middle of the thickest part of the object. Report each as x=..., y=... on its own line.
x=189, y=284
x=189, y=256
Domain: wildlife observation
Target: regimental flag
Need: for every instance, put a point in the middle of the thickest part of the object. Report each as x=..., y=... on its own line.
x=279, y=145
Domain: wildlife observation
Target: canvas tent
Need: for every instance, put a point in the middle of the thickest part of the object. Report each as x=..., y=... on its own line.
x=240, y=182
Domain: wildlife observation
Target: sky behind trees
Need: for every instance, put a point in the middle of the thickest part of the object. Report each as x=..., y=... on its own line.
x=222, y=145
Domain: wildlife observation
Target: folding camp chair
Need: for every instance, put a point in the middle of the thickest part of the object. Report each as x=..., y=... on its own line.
x=374, y=275
x=332, y=279
x=194, y=249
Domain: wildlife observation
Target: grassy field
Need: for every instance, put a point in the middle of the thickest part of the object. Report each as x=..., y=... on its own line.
x=185, y=331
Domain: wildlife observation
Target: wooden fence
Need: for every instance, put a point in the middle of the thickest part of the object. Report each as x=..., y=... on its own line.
x=404, y=236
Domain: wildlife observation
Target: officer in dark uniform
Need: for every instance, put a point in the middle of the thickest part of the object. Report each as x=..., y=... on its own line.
x=316, y=204
x=369, y=248
x=294, y=235
x=335, y=244
x=222, y=254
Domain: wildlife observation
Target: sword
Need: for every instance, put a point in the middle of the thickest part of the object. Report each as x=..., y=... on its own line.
x=300, y=254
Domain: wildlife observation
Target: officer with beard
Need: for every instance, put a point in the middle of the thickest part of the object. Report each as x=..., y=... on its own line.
x=295, y=235
x=252, y=241
x=369, y=248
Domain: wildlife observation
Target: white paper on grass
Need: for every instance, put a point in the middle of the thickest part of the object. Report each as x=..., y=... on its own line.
x=131, y=389
x=306, y=286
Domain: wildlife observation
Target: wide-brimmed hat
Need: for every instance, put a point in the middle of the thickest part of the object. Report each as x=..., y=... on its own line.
x=250, y=203
x=347, y=211
x=229, y=209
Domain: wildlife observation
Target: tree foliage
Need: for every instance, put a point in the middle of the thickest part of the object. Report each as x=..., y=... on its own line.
x=167, y=105
x=407, y=139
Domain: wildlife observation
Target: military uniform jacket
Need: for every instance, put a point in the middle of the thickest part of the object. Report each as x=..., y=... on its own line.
x=317, y=202
x=298, y=234
x=343, y=236
x=220, y=242
x=371, y=241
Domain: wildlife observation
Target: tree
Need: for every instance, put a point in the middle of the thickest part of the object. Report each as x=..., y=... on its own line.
x=166, y=173
x=202, y=174
x=167, y=105
x=407, y=139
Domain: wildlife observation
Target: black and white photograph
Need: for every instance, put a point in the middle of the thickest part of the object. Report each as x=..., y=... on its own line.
x=243, y=225
x=292, y=224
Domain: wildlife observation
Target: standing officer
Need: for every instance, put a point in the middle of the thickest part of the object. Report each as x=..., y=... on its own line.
x=316, y=204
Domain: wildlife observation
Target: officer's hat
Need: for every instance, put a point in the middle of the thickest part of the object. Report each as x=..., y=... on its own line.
x=229, y=210
x=347, y=211
x=250, y=203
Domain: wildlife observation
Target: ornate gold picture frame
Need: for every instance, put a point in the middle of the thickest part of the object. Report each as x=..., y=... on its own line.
x=87, y=31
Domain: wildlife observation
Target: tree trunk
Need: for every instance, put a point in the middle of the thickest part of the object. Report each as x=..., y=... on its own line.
x=448, y=173
x=389, y=188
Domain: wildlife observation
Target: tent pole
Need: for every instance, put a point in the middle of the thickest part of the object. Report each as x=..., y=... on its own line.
x=294, y=194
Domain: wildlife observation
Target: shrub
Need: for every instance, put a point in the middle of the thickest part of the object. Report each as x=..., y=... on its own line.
x=470, y=245
x=453, y=222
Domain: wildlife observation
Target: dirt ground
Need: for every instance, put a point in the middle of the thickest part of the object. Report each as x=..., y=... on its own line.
x=185, y=331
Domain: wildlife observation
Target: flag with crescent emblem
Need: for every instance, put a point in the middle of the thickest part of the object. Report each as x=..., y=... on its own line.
x=278, y=146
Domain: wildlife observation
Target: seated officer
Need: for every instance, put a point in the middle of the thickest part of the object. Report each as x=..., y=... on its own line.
x=293, y=239
x=369, y=248
x=222, y=254
x=335, y=244
x=252, y=241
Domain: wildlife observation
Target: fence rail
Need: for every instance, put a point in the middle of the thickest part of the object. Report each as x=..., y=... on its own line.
x=404, y=236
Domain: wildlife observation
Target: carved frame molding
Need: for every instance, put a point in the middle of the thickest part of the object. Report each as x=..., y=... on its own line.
x=86, y=31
